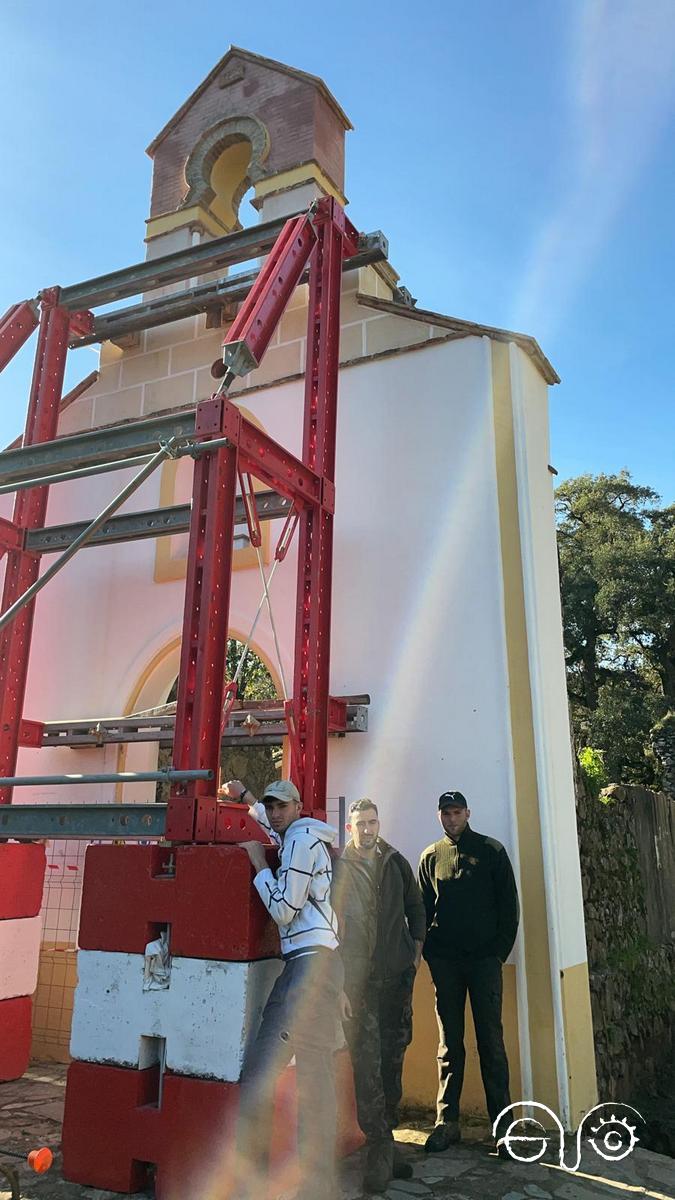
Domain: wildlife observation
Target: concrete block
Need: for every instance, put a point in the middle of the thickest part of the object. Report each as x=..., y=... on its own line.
x=128, y=897
x=206, y=1015
x=114, y=1127
x=145, y=367
x=171, y=333
x=206, y=384
x=15, y=1035
x=176, y=391
x=278, y=363
x=391, y=333
x=200, y=352
x=76, y=417
x=19, y=956
x=123, y=405
x=351, y=342
x=112, y=353
x=293, y=325
x=22, y=873
x=300, y=297
x=108, y=378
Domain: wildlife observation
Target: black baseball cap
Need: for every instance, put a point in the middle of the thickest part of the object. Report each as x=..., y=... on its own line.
x=449, y=798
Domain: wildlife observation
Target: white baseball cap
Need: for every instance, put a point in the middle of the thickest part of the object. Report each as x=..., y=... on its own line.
x=282, y=789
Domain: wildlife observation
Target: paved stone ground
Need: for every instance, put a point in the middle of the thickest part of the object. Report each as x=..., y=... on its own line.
x=31, y=1112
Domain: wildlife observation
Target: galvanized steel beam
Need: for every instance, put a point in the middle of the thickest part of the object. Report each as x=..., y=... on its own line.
x=152, y=523
x=135, y=440
x=89, y=822
x=191, y=302
x=184, y=264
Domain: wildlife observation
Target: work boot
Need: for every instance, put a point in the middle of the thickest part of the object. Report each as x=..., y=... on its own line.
x=401, y=1167
x=379, y=1166
x=442, y=1137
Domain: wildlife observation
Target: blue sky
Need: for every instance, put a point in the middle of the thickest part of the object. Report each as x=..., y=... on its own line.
x=519, y=156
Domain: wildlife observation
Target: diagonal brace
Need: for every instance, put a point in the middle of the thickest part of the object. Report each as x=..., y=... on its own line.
x=166, y=450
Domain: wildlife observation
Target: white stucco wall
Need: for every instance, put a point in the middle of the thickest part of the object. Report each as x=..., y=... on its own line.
x=417, y=600
x=418, y=594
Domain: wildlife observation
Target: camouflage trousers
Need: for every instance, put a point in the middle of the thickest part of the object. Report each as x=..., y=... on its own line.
x=378, y=1033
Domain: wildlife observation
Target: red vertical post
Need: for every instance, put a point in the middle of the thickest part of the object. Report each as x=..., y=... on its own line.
x=309, y=750
x=30, y=509
x=192, y=806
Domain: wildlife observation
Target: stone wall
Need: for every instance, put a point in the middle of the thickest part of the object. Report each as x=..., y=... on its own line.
x=627, y=850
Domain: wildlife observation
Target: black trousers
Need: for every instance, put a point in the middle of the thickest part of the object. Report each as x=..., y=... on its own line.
x=482, y=979
x=378, y=1033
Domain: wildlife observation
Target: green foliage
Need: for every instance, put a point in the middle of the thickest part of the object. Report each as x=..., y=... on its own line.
x=666, y=724
x=255, y=681
x=257, y=765
x=617, y=565
x=592, y=763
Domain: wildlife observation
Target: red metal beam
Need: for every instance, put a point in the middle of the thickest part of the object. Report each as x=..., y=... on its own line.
x=30, y=508
x=192, y=806
x=16, y=327
x=309, y=743
x=259, y=454
x=31, y=733
x=251, y=331
x=325, y=237
x=11, y=537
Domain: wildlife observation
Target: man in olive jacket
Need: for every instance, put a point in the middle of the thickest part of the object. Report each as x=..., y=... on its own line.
x=472, y=915
x=382, y=925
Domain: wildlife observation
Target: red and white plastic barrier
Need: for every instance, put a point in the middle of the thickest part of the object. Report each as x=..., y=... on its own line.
x=128, y=1117
x=22, y=871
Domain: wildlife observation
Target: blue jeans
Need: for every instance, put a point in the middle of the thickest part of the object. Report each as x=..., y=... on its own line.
x=300, y=1018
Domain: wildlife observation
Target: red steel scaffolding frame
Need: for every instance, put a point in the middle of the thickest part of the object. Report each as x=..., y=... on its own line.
x=321, y=238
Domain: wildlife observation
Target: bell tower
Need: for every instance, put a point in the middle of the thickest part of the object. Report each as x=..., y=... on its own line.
x=252, y=122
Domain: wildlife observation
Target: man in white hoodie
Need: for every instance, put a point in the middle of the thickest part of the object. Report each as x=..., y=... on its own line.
x=301, y=1015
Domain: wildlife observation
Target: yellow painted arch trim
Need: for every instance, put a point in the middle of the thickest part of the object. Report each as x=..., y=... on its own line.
x=195, y=215
x=309, y=172
x=161, y=658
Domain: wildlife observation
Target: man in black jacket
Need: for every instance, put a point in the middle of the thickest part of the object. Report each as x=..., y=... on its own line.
x=472, y=913
x=382, y=925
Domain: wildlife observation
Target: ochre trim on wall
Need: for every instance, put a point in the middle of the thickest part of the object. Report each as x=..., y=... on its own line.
x=196, y=214
x=171, y=649
x=309, y=172
x=167, y=568
x=420, y=1075
x=578, y=1021
x=532, y=881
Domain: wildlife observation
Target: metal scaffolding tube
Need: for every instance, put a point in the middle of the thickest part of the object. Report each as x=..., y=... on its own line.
x=138, y=439
x=162, y=310
x=171, y=268
x=113, y=777
x=66, y=476
x=194, y=449
x=164, y=451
